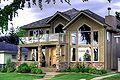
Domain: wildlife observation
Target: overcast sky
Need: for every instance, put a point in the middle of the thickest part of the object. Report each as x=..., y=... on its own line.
x=33, y=14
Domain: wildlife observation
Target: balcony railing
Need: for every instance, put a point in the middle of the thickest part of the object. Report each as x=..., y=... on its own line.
x=57, y=37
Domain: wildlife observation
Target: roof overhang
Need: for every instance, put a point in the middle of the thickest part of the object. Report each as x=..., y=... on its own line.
x=82, y=13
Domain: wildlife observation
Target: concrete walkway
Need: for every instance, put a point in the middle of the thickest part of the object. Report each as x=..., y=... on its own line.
x=49, y=75
x=102, y=77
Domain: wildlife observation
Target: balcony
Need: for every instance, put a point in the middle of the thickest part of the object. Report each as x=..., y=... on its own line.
x=57, y=37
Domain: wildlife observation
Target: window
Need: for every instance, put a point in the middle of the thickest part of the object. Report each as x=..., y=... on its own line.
x=31, y=33
x=14, y=57
x=73, y=54
x=95, y=53
x=73, y=38
x=84, y=35
x=95, y=37
x=108, y=36
x=84, y=54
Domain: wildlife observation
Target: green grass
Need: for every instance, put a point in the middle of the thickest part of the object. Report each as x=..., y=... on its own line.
x=73, y=76
x=115, y=77
x=14, y=76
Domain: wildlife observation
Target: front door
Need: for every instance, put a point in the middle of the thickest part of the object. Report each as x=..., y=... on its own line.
x=52, y=56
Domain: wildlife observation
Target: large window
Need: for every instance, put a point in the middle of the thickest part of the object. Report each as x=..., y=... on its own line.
x=84, y=54
x=84, y=35
x=73, y=38
x=87, y=44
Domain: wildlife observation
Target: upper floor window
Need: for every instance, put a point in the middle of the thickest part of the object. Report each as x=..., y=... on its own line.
x=73, y=38
x=84, y=35
x=59, y=29
x=36, y=32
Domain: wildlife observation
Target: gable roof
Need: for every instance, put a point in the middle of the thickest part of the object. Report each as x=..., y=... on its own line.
x=69, y=15
x=89, y=14
x=11, y=48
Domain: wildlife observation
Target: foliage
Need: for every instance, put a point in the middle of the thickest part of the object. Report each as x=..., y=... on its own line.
x=23, y=68
x=10, y=11
x=20, y=32
x=4, y=70
x=10, y=64
x=13, y=38
x=10, y=70
x=13, y=76
x=36, y=71
x=33, y=65
x=85, y=70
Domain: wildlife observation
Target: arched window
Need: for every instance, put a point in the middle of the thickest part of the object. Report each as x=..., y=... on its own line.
x=84, y=35
x=59, y=29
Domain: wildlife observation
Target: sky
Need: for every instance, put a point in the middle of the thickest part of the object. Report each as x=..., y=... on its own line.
x=29, y=15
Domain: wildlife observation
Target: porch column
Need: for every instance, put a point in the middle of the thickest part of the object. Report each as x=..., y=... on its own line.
x=77, y=46
x=58, y=57
x=39, y=55
x=19, y=53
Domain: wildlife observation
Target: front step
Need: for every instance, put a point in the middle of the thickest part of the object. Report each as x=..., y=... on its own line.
x=48, y=69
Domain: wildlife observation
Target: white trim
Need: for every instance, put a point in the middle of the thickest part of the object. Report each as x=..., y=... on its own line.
x=85, y=15
x=56, y=15
x=117, y=36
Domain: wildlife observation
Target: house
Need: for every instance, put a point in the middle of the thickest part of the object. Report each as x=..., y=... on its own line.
x=9, y=51
x=71, y=37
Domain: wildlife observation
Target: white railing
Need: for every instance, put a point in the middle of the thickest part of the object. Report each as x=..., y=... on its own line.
x=43, y=38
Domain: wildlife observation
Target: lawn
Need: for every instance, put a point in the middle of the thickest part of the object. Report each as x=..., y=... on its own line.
x=73, y=76
x=115, y=77
x=13, y=76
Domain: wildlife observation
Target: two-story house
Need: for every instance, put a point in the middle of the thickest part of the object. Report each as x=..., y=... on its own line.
x=72, y=36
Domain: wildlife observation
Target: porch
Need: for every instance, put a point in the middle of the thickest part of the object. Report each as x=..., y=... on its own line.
x=45, y=56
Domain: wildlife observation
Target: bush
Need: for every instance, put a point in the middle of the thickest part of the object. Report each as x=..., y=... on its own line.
x=10, y=64
x=74, y=70
x=36, y=71
x=24, y=68
x=4, y=70
x=10, y=70
x=103, y=71
x=33, y=65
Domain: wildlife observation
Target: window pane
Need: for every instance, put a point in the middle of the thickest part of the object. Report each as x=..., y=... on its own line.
x=31, y=33
x=73, y=54
x=95, y=37
x=73, y=38
x=84, y=54
x=95, y=53
x=84, y=38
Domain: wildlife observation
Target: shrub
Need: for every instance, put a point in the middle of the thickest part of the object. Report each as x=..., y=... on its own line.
x=103, y=71
x=82, y=70
x=33, y=65
x=93, y=71
x=10, y=70
x=24, y=68
x=74, y=70
x=10, y=64
x=4, y=70
x=36, y=71
x=68, y=69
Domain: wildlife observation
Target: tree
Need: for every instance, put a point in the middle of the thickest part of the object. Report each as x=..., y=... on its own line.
x=13, y=38
x=10, y=11
x=20, y=32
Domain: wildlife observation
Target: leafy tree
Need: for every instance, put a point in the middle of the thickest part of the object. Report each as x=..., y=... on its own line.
x=20, y=32
x=10, y=11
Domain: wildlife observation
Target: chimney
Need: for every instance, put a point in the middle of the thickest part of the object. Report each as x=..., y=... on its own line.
x=110, y=19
